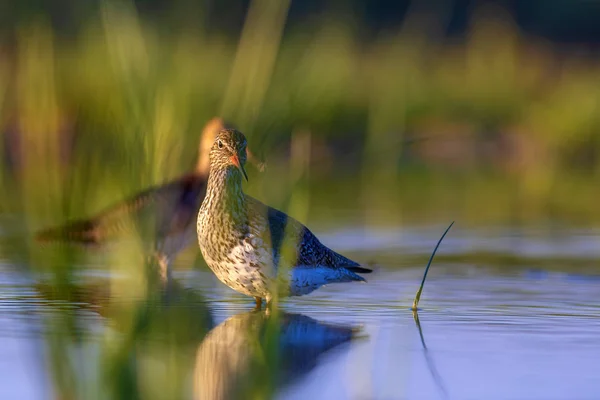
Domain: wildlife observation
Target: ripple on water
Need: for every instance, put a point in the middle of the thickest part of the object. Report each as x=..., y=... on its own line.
x=488, y=333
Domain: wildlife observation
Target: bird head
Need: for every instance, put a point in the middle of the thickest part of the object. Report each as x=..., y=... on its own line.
x=229, y=151
x=209, y=134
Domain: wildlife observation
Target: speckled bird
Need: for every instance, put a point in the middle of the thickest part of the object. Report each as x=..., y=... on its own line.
x=253, y=248
x=166, y=213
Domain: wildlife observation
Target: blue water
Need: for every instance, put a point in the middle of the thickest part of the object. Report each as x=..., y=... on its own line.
x=486, y=332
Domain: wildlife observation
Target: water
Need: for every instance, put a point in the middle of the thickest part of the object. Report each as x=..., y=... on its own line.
x=483, y=331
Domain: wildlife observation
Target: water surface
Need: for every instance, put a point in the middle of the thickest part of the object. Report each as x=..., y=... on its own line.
x=485, y=332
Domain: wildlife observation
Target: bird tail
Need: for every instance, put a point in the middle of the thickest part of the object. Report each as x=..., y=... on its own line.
x=359, y=270
x=82, y=232
x=350, y=275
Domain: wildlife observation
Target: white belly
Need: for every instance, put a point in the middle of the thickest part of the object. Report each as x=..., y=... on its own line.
x=245, y=270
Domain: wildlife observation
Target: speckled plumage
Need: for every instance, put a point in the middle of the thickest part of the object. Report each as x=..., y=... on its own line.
x=163, y=215
x=256, y=249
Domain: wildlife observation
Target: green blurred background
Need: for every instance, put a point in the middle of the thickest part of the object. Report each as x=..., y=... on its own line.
x=484, y=112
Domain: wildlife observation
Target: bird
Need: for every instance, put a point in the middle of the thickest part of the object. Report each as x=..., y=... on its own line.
x=255, y=249
x=166, y=211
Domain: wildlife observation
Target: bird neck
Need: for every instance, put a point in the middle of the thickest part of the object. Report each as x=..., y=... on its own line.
x=224, y=190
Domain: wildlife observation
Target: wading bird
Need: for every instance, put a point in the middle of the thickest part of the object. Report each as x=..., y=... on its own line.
x=256, y=249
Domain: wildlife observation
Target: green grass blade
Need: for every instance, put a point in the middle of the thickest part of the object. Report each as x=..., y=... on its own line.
x=418, y=295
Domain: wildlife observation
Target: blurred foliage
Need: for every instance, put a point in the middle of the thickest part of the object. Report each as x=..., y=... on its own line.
x=558, y=20
x=120, y=105
x=410, y=126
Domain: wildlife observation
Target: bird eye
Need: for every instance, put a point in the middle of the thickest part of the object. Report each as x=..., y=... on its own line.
x=220, y=144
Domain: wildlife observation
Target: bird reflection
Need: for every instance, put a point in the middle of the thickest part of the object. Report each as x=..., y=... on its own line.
x=251, y=354
x=170, y=311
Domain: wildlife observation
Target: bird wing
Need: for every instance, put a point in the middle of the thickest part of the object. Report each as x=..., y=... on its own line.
x=181, y=205
x=159, y=210
x=292, y=243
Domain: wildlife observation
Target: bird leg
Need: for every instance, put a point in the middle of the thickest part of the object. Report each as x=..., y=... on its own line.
x=269, y=301
x=165, y=271
x=258, y=303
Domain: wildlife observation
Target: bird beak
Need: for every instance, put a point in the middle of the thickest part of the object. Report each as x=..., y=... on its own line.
x=235, y=160
x=259, y=164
